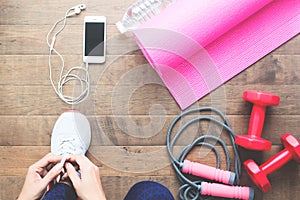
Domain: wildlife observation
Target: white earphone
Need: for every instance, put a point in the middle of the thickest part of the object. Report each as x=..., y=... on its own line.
x=69, y=76
x=77, y=10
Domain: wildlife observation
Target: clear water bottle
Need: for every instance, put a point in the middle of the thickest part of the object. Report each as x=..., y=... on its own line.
x=140, y=12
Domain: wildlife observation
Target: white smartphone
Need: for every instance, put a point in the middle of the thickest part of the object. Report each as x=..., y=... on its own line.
x=94, y=40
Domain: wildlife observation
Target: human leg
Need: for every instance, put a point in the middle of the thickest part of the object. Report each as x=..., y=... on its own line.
x=61, y=191
x=148, y=190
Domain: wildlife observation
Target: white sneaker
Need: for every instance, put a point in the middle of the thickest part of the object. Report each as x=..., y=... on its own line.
x=71, y=134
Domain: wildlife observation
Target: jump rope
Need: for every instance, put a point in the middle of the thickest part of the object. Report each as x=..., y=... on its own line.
x=196, y=189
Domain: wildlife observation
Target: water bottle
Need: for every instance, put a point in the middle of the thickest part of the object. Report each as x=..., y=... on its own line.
x=140, y=12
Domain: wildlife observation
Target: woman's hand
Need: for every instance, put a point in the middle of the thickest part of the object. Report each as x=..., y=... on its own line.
x=88, y=185
x=39, y=175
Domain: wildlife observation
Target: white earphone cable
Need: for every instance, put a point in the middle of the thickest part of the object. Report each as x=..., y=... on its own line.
x=69, y=76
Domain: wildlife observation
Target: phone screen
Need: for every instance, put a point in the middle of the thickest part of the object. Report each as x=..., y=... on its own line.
x=94, y=39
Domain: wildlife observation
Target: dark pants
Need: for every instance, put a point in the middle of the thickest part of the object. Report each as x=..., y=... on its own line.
x=61, y=191
x=146, y=190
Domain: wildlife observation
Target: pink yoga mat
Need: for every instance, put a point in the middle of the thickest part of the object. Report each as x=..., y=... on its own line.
x=195, y=46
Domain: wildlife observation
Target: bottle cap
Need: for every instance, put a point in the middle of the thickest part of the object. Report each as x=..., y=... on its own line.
x=121, y=28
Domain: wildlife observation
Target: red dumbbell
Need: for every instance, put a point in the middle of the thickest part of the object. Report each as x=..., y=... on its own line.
x=258, y=174
x=260, y=101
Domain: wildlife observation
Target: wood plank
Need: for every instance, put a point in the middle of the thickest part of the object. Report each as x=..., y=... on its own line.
x=135, y=100
x=48, y=12
x=124, y=130
x=271, y=70
x=119, y=130
x=131, y=100
x=28, y=100
x=31, y=70
x=107, y=158
x=34, y=69
x=104, y=157
x=16, y=40
x=10, y=186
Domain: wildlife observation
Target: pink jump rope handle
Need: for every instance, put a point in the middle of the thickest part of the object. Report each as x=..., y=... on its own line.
x=208, y=172
x=227, y=191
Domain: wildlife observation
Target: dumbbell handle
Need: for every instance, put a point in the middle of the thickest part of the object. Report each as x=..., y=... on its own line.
x=227, y=191
x=208, y=172
x=276, y=161
x=257, y=120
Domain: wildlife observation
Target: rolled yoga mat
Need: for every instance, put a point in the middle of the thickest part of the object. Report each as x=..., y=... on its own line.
x=195, y=46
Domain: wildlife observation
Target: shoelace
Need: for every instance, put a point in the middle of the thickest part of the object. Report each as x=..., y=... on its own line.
x=67, y=146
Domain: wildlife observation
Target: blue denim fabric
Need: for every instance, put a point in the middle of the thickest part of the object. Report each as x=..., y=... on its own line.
x=145, y=190
x=148, y=190
x=61, y=191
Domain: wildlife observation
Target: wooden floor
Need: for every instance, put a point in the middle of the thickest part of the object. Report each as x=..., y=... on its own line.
x=128, y=143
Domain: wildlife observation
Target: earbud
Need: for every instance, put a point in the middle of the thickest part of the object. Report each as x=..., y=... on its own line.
x=77, y=9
